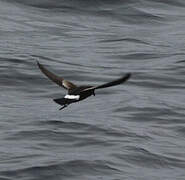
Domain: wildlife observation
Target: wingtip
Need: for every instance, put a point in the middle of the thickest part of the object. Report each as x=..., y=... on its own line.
x=127, y=75
x=37, y=62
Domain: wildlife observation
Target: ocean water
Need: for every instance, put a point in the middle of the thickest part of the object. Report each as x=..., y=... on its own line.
x=135, y=131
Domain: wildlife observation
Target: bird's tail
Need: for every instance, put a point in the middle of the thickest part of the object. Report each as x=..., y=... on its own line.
x=64, y=101
x=61, y=101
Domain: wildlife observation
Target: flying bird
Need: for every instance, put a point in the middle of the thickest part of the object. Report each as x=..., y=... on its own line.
x=77, y=93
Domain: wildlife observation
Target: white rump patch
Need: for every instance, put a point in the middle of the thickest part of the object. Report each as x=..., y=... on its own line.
x=76, y=97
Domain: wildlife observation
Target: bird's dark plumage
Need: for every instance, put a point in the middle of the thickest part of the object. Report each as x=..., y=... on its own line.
x=58, y=80
x=77, y=93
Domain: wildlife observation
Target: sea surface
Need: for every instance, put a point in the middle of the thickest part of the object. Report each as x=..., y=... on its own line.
x=134, y=131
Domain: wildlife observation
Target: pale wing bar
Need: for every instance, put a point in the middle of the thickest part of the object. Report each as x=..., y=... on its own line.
x=58, y=80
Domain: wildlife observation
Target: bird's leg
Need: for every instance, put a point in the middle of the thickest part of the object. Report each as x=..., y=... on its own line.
x=93, y=93
x=64, y=106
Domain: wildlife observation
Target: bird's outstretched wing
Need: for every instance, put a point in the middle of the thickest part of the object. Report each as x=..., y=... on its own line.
x=58, y=80
x=115, y=82
x=112, y=83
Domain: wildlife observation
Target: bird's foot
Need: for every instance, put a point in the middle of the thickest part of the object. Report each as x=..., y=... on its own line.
x=63, y=107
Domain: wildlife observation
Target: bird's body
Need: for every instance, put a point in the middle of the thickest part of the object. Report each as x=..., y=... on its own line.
x=77, y=93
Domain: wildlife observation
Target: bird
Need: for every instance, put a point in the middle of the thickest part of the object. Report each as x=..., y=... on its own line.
x=77, y=93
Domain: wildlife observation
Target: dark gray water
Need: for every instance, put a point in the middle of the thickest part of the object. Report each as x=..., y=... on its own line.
x=134, y=131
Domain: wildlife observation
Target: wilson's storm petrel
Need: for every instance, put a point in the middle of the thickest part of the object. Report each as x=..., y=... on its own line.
x=77, y=93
